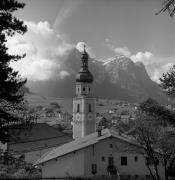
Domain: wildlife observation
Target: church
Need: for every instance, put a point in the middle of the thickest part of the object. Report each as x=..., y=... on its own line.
x=93, y=152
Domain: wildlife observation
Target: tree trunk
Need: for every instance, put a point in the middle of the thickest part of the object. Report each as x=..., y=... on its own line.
x=166, y=169
x=152, y=175
x=157, y=172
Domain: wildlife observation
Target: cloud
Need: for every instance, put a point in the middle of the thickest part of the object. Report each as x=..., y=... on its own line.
x=80, y=48
x=155, y=65
x=45, y=52
x=123, y=51
x=118, y=50
x=144, y=57
x=158, y=72
x=63, y=74
x=65, y=11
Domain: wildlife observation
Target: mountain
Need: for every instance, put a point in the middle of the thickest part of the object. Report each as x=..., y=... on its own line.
x=118, y=77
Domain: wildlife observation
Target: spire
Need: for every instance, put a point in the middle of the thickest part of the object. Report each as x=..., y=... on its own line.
x=84, y=75
x=84, y=47
x=84, y=59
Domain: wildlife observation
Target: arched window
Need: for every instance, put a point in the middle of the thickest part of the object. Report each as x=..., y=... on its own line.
x=78, y=107
x=90, y=108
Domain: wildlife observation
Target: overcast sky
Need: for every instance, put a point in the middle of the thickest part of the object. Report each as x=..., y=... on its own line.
x=109, y=27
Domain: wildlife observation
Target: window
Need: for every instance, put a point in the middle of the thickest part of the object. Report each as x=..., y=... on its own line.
x=103, y=158
x=136, y=158
x=111, y=145
x=125, y=177
x=94, y=169
x=89, y=89
x=78, y=89
x=78, y=107
x=110, y=160
x=90, y=109
x=136, y=176
x=148, y=177
x=84, y=89
x=124, y=161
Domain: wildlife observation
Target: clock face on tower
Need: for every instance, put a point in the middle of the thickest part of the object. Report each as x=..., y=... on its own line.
x=90, y=116
x=78, y=117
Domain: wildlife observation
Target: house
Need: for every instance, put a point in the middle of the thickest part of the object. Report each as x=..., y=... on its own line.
x=33, y=142
x=125, y=118
x=91, y=153
x=101, y=153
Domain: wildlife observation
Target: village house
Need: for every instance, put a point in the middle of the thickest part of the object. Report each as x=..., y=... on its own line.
x=104, y=153
x=91, y=153
x=125, y=118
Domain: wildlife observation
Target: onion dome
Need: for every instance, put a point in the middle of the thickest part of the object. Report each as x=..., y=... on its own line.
x=84, y=75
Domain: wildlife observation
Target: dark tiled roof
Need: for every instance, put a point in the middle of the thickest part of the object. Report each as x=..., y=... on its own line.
x=37, y=137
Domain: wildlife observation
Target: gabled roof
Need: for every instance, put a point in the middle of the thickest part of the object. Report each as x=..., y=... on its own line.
x=83, y=143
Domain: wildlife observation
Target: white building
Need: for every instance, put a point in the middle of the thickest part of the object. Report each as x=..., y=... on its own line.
x=100, y=155
x=92, y=153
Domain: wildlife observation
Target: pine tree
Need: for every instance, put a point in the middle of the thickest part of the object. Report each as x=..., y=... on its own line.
x=168, y=82
x=11, y=95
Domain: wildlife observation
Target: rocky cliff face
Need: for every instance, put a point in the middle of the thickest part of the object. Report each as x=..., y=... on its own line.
x=117, y=77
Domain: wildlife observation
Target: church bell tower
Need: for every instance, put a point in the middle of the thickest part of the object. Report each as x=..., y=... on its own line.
x=84, y=102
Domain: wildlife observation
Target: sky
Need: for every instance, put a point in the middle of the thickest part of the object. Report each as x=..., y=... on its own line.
x=109, y=28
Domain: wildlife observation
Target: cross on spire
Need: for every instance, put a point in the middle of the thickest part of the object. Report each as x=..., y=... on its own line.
x=84, y=46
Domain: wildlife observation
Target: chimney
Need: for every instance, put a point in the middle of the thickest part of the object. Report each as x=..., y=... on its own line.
x=99, y=132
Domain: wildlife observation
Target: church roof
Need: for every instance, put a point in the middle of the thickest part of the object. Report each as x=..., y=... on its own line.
x=83, y=143
x=84, y=76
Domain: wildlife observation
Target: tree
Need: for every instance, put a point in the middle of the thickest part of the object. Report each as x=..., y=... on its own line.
x=146, y=134
x=168, y=5
x=154, y=129
x=11, y=95
x=152, y=108
x=168, y=82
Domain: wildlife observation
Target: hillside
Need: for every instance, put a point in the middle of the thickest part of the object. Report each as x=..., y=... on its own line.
x=124, y=79
x=66, y=104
